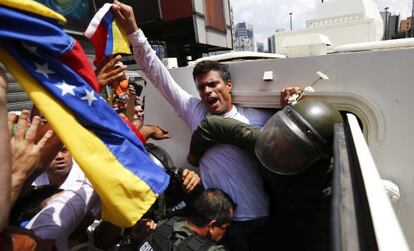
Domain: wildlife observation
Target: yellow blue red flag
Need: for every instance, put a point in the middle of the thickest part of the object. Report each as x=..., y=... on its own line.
x=53, y=69
x=105, y=34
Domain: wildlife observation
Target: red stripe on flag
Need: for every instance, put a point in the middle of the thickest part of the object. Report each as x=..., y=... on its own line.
x=134, y=129
x=99, y=39
x=76, y=59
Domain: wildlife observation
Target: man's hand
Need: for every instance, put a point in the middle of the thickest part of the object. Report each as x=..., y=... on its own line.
x=108, y=73
x=287, y=94
x=25, y=152
x=190, y=180
x=154, y=132
x=131, y=90
x=140, y=230
x=125, y=16
x=159, y=133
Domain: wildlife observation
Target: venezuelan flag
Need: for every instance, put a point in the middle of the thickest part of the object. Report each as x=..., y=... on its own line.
x=105, y=34
x=54, y=71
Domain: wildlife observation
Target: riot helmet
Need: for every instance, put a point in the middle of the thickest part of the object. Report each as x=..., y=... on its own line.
x=161, y=157
x=297, y=136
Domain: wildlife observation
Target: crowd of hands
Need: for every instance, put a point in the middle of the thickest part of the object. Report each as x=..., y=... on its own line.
x=29, y=145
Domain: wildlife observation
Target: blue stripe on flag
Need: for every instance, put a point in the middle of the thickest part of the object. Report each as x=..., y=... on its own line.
x=32, y=27
x=107, y=20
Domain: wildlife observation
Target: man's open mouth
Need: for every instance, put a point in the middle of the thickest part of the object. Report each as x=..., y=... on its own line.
x=212, y=101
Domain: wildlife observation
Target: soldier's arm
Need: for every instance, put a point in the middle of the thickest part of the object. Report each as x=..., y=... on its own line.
x=216, y=129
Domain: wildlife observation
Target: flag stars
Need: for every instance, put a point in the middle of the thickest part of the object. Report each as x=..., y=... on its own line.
x=43, y=69
x=31, y=49
x=90, y=97
x=66, y=88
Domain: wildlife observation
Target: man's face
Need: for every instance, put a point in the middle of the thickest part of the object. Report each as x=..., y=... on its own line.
x=138, y=112
x=62, y=163
x=217, y=232
x=214, y=92
x=138, y=116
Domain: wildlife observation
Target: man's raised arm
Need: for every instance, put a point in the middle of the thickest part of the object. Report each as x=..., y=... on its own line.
x=153, y=68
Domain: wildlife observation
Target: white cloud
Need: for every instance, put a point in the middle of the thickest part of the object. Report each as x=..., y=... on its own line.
x=269, y=15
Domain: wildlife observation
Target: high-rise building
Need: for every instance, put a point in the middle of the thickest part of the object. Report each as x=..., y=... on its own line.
x=412, y=16
x=391, y=23
x=259, y=47
x=232, y=23
x=271, y=44
x=243, y=37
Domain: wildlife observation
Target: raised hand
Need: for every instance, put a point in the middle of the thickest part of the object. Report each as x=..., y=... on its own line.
x=125, y=16
x=26, y=153
x=108, y=73
x=154, y=132
x=190, y=180
x=287, y=95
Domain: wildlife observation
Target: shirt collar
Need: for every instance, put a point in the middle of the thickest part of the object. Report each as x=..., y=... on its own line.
x=232, y=113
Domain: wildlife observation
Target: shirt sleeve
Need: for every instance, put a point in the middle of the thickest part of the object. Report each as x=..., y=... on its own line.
x=217, y=248
x=62, y=214
x=154, y=69
x=217, y=129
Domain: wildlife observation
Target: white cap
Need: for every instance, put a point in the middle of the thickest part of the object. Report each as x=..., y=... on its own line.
x=118, y=64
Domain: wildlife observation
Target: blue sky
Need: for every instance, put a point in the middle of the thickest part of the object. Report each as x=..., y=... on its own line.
x=269, y=15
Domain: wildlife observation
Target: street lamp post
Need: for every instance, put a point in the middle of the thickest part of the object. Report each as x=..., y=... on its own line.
x=290, y=19
x=386, y=23
x=412, y=20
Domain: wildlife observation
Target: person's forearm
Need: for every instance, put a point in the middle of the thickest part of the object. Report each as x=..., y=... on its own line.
x=217, y=129
x=5, y=169
x=146, y=57
x=156, y=72
x=130, y=109
x=63, y=213
x=146, y=131
x=17, y=182
x=22, y=183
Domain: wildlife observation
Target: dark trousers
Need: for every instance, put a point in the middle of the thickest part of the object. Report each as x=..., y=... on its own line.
x=299, y=211
x=241, y=234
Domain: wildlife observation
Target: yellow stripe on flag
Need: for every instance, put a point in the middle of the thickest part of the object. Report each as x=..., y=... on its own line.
x=34, y=7
x=120, y=40
x=121, y=206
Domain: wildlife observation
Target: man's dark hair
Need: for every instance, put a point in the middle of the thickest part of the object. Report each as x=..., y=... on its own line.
x=213, y=204
x=206, y=66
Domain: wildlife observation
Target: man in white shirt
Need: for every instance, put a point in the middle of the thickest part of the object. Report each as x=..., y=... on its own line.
x=64, y=211
x=223, y=166
x=62, y=172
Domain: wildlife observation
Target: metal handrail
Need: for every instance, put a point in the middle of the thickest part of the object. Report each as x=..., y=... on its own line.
x=389, y=235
